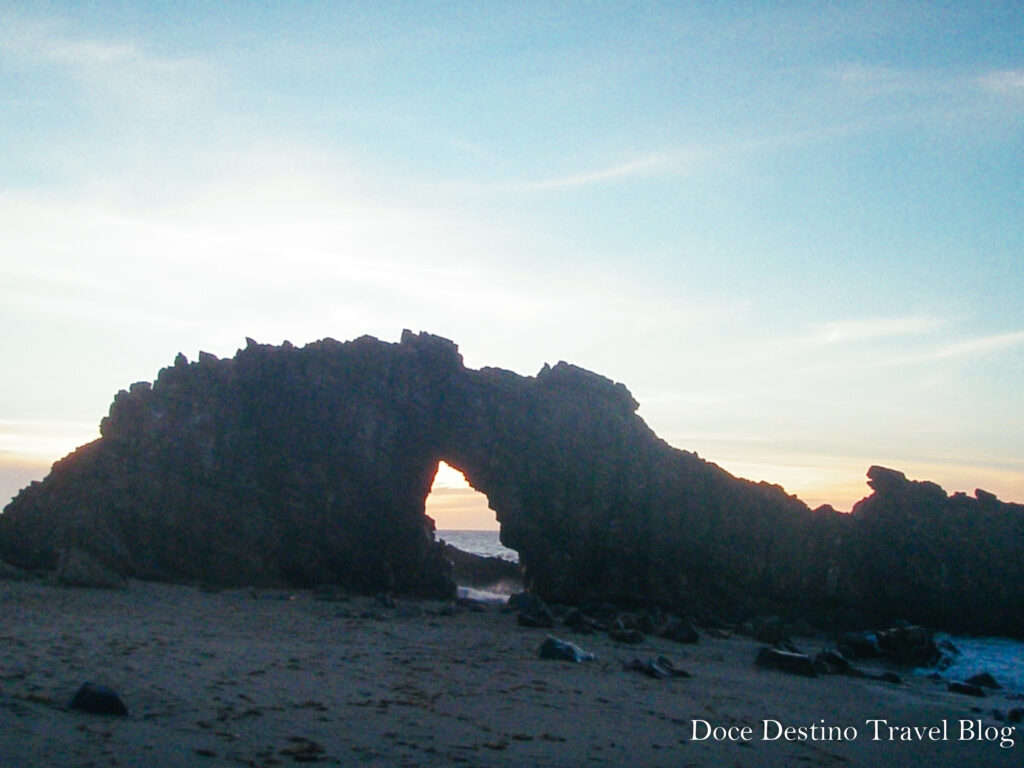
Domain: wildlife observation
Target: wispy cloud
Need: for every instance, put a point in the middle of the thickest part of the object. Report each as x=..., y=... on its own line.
x=121, y=67
x=843, y=332
x=1006, y=82
x=86, y=53
x=923, y=351
x=34, y=43
x=979, y=346
x=643, y=166
x=895, y=342
x=671, y=161
x=871, y=77
x=836, y=351
x=924, y=91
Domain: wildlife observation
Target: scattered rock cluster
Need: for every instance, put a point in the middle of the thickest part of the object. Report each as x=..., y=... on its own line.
x=623, y=627
x=473, y=570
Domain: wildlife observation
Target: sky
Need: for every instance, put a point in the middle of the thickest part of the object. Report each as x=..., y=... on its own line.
x=795, y=231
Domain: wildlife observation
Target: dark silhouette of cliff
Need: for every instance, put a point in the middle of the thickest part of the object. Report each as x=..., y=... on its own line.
x=950, y=561
x=311, y=465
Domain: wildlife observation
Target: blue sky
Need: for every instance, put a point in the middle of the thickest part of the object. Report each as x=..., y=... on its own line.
x=794, y=230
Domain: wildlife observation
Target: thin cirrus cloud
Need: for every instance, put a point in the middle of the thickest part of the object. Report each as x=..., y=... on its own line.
x=84, y=53
x=698, y=159
x=964, y=105
x=838, y=333
x=644, y=166
x=35, y=43
x=676, y=162
x=927, y=334
x=945, y=350
x=980, y=345
x=1008, y=82
x=125, y=74
x=926, y=94
x=930, y=350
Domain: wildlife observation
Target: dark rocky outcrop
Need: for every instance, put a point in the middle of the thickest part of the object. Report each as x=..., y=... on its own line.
x=472, y=570
x=792, y=662
x=967, y=689
x=679, y=631
x=531, y=611
x=10, y=573
x=554, y=649
x=984, y=680
x=833, y=662
x=659, y=668
x=76, y=568
x=308, y=466
x=98, y=700
x=954, y=562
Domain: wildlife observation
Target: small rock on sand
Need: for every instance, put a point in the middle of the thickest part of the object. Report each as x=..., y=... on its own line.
x=98, y=700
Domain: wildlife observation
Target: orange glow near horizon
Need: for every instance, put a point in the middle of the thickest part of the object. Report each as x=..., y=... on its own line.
x=455, y=506
x=837, y=489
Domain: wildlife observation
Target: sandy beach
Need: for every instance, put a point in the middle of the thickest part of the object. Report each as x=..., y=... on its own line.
x=265, y=678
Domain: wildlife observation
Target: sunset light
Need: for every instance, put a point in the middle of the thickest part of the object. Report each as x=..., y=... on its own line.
x=794, y=235
x=454, y=505
x=722, y=303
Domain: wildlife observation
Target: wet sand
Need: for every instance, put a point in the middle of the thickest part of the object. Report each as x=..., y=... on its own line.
x=275, y=678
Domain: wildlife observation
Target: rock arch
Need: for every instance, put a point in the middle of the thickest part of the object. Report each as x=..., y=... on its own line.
x=312, y=465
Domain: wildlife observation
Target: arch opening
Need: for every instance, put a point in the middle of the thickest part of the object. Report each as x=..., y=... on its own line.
x=469, y=528
x=455, y=505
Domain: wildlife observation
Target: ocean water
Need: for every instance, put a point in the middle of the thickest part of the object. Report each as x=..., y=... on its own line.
x=1001, y=657
x=482, y=543
x=479, y=543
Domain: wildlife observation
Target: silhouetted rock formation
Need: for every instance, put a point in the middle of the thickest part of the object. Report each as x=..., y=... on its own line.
x=472, y=570
x=76, y=568
x=311, y=466
x=948, y=561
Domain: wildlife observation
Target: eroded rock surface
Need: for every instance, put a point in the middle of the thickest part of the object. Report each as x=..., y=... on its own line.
x=955, y=562
x=308, y=466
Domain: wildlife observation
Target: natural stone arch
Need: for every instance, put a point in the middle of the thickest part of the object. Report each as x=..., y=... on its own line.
x=312, y=465
x=308, y=465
